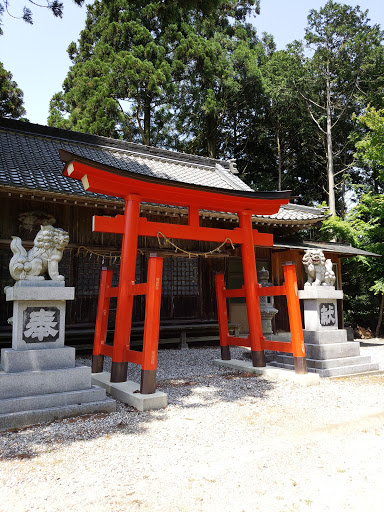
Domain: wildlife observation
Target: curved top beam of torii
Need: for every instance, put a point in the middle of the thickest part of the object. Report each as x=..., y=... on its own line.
x=104, y=179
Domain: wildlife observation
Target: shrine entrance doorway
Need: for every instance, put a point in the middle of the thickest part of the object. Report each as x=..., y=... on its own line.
x=134, y=189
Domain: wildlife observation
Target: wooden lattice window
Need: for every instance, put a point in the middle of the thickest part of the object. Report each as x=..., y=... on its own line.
x=88, y=275
x=66, y=267
x=180, y=277
x=5, y=280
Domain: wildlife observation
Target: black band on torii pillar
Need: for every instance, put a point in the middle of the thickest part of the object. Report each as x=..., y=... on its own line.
x=97, y=364
x=300, y=364
x=225, y=353
x=148, y=382
x=119, y=372
x=258, y=358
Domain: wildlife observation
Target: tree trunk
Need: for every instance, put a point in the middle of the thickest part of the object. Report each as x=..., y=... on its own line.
x=211, y=136
x=330, y=170
x=147, y=120
x=377, y=331
x=279, y=155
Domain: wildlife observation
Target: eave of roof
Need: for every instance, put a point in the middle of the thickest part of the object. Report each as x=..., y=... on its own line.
x=333, y=247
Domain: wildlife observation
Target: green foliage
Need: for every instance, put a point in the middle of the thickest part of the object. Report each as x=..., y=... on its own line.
x=122, y=73
x=220, y=81
x=292, y=139
x=11, y=97
x=371, y=147
x=196, y=77
x=154, y=73
x=364, y=229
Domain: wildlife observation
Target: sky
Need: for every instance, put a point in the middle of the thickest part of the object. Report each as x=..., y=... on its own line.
x=37, y=58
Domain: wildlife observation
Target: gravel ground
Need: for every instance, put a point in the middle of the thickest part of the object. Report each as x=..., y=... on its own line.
x=227, y=442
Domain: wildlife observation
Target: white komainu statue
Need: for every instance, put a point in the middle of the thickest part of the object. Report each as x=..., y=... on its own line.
x=44, y=256
x=319, y=269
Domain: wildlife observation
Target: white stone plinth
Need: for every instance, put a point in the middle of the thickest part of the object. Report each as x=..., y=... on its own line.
x=38, y=314
x=33, y=290
x=320, y=292
x=320, y=307
x=128, y=392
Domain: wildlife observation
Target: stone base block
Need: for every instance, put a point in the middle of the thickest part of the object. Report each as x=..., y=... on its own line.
x=325, y=364
x=38, y=382
x=325, y=336
x=308, y=379
x=340, y=371
x=128, y=393
x=34, y=417
x=36, y=402
x=332, y=350
x=14, y=361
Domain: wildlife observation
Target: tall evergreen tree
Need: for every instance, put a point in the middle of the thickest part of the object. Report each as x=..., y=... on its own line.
x=11, y=97
x=293, y=138
x=220, y=53
x=341, y=74
x=122, y=73
x=154, y=73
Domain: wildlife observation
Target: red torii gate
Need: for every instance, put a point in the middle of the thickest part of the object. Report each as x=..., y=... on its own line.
x=134, y=189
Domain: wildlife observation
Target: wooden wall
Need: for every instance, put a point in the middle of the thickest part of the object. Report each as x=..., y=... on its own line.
x=188, y=284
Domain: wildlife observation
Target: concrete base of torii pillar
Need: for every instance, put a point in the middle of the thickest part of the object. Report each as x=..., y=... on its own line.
x=39, y=378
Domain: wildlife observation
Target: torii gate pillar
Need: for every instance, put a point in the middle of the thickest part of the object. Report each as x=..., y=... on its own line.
x=251, y=286
x=126, y=280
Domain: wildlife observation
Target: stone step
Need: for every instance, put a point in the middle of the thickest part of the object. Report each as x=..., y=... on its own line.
x=27, y=418
x=38, y=382
x=30, y=403
x=14, y=361
x=325, y=363
x=335, y=372
x=332, y=350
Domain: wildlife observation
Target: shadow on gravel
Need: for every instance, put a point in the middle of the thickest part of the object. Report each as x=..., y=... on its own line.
x=368, y=344
x=224, y=386
x=198, y=386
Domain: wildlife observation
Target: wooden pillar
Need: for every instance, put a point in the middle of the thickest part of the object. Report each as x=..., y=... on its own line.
x=295, y=323
x=101, y=327
x=251, y=285
x=222, y=317
x=126, y=279
x=151, y=326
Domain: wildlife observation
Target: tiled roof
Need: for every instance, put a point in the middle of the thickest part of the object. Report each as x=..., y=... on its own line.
x=334, y=247
x=29, y=159
x=292, y=213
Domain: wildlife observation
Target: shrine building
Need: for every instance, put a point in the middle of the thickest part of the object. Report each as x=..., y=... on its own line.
x=34, y=192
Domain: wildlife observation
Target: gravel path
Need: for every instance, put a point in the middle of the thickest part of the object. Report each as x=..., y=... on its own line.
x=227, y=442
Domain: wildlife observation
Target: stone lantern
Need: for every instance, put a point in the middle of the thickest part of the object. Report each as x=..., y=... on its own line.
x=267, y=309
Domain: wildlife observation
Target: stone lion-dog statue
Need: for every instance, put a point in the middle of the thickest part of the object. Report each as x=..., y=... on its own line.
x=43, y=258
x=318, y=269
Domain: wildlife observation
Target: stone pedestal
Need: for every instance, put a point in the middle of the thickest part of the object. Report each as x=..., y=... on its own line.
x=320, y=307
x=327, y=349
x=39, y=378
